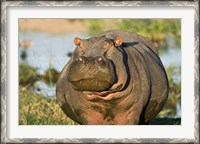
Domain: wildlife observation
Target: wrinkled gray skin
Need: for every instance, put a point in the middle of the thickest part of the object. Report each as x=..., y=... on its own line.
x=107, y=84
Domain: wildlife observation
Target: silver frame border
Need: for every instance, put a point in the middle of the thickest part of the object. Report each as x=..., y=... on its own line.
x=6, y=4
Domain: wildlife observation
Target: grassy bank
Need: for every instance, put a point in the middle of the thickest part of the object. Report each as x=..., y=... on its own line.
x=35, y=109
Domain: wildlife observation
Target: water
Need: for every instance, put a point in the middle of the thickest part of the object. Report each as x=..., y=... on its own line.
x=47, y=50
x=44, y=89
x=172, y=57
x=51, y=51
x=178, y=110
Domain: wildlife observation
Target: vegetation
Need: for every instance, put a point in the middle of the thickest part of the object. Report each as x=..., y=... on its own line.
x=35, y=109
x=50, y=76
x=157, y=30
x=27, y=75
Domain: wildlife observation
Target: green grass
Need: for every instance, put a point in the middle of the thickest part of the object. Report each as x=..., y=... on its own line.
x=35, y=109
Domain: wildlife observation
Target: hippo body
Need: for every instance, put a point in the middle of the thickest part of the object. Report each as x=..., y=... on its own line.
x=115, y=77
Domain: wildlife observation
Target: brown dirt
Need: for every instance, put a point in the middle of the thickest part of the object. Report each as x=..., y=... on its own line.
x=56, y=26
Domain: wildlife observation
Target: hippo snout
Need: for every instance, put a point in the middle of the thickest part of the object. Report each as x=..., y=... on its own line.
x=91, y=73
x=86, y=60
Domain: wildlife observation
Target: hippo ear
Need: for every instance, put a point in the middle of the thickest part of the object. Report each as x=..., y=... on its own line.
x=77, y=40
x=118, y=41
x=107, y=44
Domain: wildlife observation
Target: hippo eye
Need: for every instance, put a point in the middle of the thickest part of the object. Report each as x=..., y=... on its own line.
x=118, y=41
x=99, y=59
x=77, y=41
x=80, y=59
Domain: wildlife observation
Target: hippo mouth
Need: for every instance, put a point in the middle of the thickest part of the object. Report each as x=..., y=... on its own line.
x=91, y=84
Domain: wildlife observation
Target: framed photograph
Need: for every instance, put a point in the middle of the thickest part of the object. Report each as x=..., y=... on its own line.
x=43, y=42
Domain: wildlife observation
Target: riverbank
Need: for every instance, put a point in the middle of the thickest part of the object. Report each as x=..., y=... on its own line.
x=55, y=26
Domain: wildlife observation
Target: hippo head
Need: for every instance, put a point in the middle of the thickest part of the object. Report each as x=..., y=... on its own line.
x=91, y=68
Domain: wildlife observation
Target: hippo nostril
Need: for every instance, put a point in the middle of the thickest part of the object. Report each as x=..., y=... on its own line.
x=99, y=59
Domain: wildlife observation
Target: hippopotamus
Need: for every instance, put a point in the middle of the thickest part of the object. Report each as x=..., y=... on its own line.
x=113, y=78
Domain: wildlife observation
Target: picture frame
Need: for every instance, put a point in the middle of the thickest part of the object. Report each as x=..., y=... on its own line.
x=6, y=54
